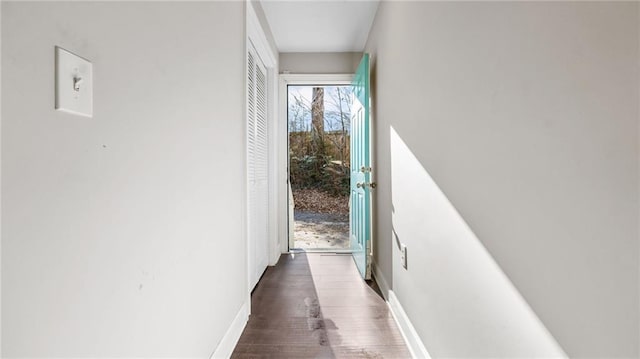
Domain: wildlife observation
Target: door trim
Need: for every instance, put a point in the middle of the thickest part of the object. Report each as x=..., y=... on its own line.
x=282, y=162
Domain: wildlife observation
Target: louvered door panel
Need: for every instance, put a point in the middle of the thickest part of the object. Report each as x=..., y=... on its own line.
x=257, y=167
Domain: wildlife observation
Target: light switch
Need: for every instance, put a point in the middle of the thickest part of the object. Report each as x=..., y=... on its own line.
x=74, y=83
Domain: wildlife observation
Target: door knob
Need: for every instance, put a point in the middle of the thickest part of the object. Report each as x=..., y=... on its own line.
x=364, y=185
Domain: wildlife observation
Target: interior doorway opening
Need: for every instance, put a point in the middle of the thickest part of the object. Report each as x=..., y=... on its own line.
x=319, y=121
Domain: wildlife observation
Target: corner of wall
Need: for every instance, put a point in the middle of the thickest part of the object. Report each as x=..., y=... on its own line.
x=380, y=279
x=1, y=5
x=409, y=333
x=228, y=342
x=264, y=23
x=638, y=152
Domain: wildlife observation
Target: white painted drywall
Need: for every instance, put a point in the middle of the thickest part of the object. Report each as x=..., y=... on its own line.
x=121, y=233
x=264, y=23
x=507, y=141
x=465, y=292
x=0, y=181
x=320, y=62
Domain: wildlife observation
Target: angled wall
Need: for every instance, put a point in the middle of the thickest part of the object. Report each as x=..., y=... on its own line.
x=507, y=162
x=121, y=233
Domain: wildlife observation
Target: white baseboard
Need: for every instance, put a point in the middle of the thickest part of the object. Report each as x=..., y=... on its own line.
x=414, y=343
x=275, y=255
x=416, y=347
x=382, y=283
x=228, y=343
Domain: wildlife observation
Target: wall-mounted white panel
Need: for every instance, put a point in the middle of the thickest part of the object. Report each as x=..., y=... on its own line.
x=74, y=83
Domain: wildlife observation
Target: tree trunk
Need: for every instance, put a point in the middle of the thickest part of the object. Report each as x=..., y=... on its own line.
x=317, y=129
x=317, y=111
x=343, y=139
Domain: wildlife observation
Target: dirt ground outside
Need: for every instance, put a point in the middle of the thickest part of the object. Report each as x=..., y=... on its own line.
x=321, y=221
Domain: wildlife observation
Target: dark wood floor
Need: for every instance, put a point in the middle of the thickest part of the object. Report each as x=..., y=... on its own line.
x=317, y=306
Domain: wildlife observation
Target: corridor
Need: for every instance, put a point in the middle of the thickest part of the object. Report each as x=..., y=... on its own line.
x=316, y=306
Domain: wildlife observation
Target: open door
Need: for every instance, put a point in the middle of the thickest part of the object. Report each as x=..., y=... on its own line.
x=361, y=185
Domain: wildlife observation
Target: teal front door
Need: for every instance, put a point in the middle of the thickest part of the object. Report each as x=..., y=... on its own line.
x=361, y=185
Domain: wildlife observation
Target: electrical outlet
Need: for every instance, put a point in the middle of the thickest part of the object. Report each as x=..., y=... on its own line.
x=403, y=255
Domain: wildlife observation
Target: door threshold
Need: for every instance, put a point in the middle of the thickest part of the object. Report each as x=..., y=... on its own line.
x=319, y=250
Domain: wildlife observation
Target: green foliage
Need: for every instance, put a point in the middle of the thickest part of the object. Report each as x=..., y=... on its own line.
x=314, y=165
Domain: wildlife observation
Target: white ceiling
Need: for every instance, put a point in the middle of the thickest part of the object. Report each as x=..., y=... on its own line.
x=320, y=25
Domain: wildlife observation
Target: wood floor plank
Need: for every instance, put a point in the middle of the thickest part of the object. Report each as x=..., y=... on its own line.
x=302, y=352
x=328, y=300
x=317, y=306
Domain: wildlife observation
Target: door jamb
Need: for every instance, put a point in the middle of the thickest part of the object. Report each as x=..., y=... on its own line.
x=282, y=162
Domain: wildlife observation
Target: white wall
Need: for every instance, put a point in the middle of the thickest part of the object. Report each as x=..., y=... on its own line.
x=507, y=144
x=121, y=233
x=264, y=23
x=0, y=182
x=320, y=63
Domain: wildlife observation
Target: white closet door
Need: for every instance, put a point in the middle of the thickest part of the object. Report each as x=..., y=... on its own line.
x=258, y=169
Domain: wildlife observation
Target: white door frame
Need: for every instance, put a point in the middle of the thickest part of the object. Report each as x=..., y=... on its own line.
x=256, y=37
x=282, y=161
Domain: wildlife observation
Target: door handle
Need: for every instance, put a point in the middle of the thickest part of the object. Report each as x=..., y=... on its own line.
x=364, y=185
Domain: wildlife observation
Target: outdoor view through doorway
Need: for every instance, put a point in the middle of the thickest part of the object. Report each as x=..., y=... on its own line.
x=319, y=122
